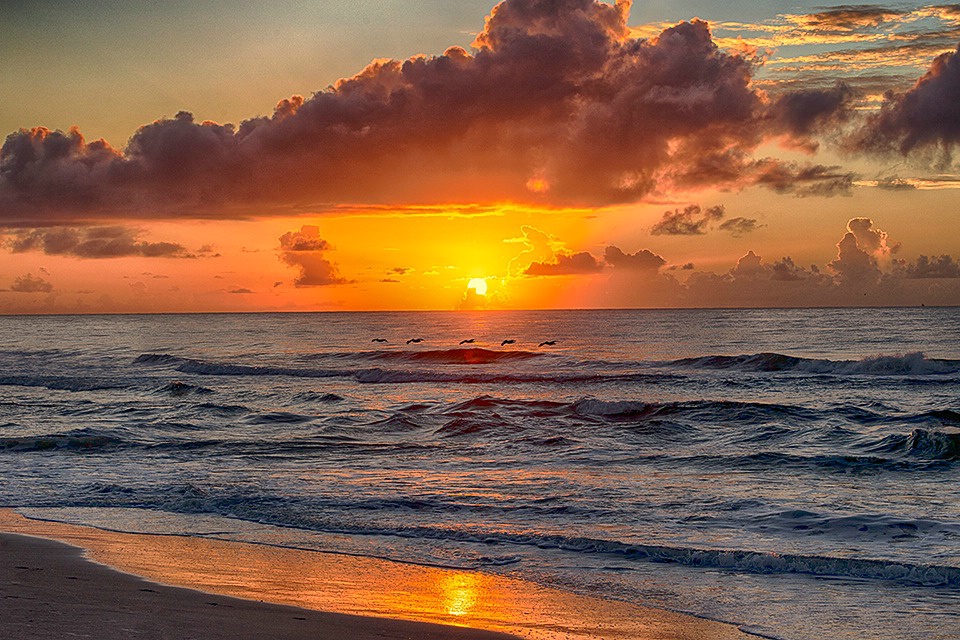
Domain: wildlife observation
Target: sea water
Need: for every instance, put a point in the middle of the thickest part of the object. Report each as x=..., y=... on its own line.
x=796, y=472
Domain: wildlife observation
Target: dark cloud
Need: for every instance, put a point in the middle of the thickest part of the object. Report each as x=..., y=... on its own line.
x=557, y=105
x=92, y=242
x=307, y=239
x=738, y=227
x=895, y=184
x=30, y=284
x=242, y=290
x=923, y=119
x=806, y=181
x=690, y=221
x=931, y=267
x=801, y=114
x=644, y=260
x=304, y=249
x=846, y=19
x=390, y=280
x=565, y=265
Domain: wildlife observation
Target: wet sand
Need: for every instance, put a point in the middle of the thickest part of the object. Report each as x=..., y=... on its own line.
x=186, y=587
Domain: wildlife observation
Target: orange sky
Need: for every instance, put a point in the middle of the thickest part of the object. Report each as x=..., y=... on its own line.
x=573, y=158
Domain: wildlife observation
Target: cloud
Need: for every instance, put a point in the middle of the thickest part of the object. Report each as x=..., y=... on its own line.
x=556, y=104
x=241, y=290
x=307, y=239
x=642, y=261
x=400, y=271
x=30, y=284
x=690, y=221
x=566, y=265
x=923, y=119
x=739, y=226
x=845, y=19
x=895, y=184
x=872, y=240
x=538, y=246
x=863, y=272
x=810, y=180
x=304, y=250
x=930, y=267
x=802, y=113
x=92, y=242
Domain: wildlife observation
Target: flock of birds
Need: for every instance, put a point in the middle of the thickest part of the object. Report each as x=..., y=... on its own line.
x=545, y=343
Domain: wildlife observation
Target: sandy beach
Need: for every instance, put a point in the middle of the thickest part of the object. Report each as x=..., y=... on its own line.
x=140, y=586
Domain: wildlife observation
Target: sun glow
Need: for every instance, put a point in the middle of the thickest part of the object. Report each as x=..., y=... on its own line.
x=479, y=285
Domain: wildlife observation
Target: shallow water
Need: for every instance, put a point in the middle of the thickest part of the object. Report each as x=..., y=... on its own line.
x=792, y=471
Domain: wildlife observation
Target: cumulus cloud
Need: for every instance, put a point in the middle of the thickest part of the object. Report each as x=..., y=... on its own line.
x=642, y=261
x=538, y=246
x=858, y=275
x=92, y=242
x=930, y=267
x=31, y=284
x=566, y=265
x=689, y=221
x=874, y=241
x=923, y=119
x=556, y=104
x=304, y=249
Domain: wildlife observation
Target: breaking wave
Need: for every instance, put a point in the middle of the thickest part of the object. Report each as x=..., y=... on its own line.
x=911, y=364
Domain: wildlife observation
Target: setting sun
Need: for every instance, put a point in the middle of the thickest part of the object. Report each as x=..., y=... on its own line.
x=479, y=285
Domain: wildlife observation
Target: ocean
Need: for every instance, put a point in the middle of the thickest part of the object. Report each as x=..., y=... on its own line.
x=796, y=472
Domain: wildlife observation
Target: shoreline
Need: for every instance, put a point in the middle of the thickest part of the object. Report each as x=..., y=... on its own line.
x=265, y=591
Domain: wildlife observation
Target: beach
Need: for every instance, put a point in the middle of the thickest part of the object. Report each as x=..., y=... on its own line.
x=59, y=581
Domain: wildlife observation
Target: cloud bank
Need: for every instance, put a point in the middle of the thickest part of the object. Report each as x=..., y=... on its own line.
x=556, y=104
x=864, y=272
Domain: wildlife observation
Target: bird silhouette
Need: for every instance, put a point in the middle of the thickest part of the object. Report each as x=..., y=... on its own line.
x=378, y=340
x=470, y=341
x=548, y=343
x=415, y=340
x=506, y=342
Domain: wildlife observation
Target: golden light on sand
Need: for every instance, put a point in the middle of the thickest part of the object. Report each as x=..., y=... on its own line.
x=479, y=285
x=459, y=593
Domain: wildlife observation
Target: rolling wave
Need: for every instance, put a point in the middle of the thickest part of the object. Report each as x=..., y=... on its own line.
x=911, y=364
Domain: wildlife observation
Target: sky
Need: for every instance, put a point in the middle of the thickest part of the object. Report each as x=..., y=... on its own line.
x=233, y=155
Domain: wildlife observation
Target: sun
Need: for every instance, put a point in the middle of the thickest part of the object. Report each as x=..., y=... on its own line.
x=479, y=285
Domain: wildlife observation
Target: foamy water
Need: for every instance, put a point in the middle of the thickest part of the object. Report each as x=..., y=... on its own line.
x=794, y=472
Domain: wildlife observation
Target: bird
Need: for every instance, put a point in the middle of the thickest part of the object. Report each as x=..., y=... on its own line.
x=506, y=342
x=415, y=340
x=470, y=341
x=378, y=340
x=547, y=343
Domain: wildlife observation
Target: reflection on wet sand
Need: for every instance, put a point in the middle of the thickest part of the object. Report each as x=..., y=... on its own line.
x=372, y=587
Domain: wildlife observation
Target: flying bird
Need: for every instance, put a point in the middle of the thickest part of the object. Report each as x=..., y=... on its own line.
x=415, y=340
x=470, y=341
x=506, y=342
x=378, y=340
x=548, y=343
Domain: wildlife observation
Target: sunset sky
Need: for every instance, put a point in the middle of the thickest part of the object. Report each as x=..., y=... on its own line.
x=234, y=155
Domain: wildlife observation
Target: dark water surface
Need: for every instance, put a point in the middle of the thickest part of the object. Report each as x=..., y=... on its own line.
x=793, y=471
